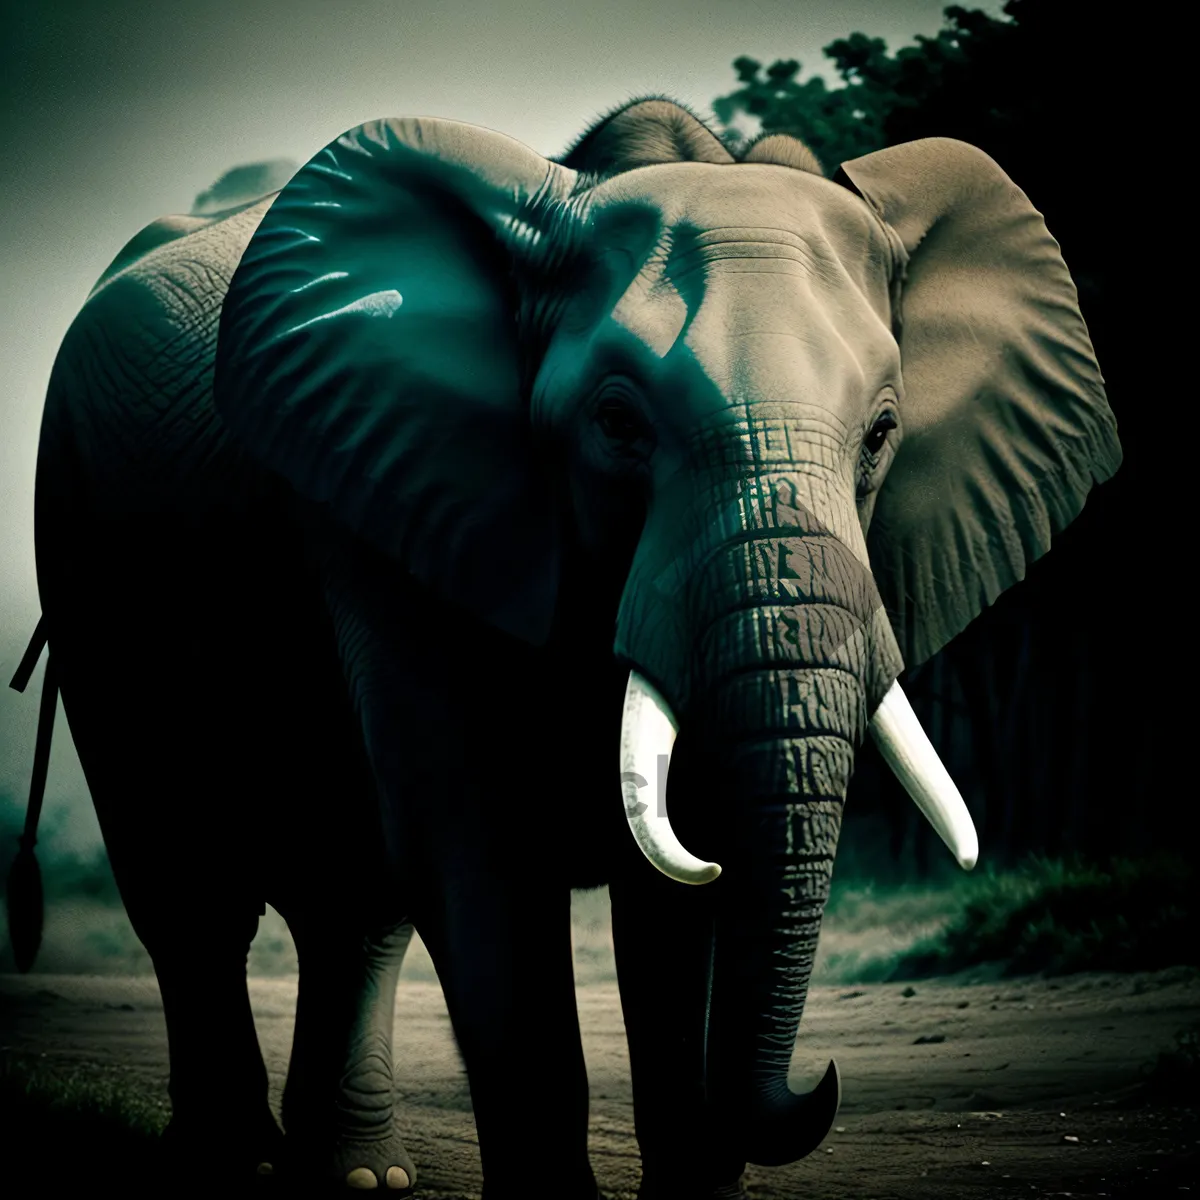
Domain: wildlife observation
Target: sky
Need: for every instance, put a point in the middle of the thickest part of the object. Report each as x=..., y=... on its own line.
x=115, y=112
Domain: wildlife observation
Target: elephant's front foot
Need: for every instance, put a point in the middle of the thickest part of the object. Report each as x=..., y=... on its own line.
x=228, y=1153
x=362, y=1165
x=358, y=1161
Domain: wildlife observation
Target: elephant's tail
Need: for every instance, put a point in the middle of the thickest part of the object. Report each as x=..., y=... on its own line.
x=25, y=896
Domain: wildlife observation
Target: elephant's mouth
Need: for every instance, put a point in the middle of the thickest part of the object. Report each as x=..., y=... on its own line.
x=648, y=732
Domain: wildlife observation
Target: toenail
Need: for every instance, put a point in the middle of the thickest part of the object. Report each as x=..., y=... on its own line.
x=397, y=1177
x=363, y=1178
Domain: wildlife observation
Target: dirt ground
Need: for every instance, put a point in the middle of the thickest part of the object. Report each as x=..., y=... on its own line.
x=956, y=1090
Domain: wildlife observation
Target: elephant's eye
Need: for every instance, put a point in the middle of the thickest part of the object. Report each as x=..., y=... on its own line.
x=622, y=425
x=878, y=436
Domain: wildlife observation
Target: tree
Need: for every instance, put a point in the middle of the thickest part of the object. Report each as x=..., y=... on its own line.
x=842, y=123
x=834, y=124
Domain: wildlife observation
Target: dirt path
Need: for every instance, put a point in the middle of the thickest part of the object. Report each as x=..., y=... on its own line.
x=979, y=1108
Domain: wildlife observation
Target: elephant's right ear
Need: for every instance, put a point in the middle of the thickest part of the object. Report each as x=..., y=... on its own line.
x=368, y=352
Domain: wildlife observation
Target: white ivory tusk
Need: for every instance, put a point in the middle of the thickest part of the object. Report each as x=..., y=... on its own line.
x=647, y=735
x=911, y=755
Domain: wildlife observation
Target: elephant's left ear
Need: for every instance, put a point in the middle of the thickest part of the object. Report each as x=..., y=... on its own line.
x=370, y=353
x=1006, y=425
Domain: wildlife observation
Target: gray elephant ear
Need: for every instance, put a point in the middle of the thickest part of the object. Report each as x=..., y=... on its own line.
x=1005, y=422
x=369, y=353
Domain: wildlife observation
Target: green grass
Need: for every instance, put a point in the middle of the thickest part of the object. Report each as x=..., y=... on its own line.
x=869, y=927
x=55, y=1121
x=1058, y=916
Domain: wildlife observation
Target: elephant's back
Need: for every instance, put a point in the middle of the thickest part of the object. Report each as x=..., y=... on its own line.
x=134, y=463
x=129, y=409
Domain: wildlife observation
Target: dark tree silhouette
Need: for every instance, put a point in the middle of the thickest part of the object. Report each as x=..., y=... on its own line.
x=836, y=124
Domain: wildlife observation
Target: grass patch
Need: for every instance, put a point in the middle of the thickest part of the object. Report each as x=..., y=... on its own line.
x=869, y=927
x=60, y=1118
x=1059, y=916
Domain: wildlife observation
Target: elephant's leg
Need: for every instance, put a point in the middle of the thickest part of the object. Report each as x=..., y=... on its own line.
x=662, y=937
x=221, y=1122
x=503, y=956
x=338, y=1103
x=169, y=815
x=447, y=746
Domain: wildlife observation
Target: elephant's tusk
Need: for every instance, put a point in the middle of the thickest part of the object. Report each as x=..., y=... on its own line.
x=915, y=762
x=647, y=735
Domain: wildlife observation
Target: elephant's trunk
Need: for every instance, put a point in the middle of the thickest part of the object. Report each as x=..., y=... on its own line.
x=791, y=657
x=789, y=741
x=777, y=652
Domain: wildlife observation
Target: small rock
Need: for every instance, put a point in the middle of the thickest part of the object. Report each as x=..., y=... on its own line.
x=963, y=1004
x=909, y=992
x=839, y=1129
x=932, y=1039
x=1070, y=1139
x=851, y=995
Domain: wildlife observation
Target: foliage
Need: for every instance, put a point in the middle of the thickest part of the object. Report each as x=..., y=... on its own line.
x=844, y=122
x=106, y=1124
x=106, y=1100
x=1062, y=916
x=835, y=124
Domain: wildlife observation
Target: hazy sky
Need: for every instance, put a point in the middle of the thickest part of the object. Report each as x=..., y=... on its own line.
x=115, y=113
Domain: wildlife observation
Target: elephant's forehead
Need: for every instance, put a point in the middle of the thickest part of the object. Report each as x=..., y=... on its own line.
x=775, y=237
x=744, y=200
x=750, y=267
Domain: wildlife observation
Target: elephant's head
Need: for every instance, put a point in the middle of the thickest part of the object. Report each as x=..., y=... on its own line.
x=818, y=423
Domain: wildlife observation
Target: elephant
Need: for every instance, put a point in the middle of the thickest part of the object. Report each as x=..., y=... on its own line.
x=376, y=514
